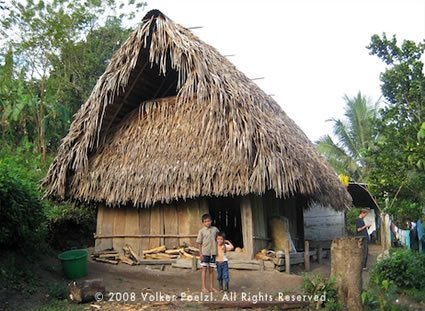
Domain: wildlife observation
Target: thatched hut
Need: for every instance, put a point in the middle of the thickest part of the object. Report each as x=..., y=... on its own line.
x=172, y=130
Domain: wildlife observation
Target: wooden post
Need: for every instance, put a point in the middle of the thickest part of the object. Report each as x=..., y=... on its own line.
x=346, y=267
x=319, y=255
x=162, y=224
x=287, y=257
x=306, y=255
x=194, y=263
x=247, y=227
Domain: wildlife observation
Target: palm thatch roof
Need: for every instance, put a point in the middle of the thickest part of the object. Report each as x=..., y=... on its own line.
x=173, y=119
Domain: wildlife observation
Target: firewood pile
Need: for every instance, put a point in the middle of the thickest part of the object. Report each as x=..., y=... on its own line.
x=162, y=252
x=111, y=256
x=130, y=257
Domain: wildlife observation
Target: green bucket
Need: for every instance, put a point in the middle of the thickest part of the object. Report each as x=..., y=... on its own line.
x=74, y=263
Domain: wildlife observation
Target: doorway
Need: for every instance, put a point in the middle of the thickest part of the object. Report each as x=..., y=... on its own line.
x=226, y=216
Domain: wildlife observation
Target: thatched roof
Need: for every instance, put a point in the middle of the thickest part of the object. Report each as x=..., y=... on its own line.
x=173, y=119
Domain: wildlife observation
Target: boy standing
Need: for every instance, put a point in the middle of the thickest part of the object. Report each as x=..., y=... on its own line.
x=208, y=250
x=223, y=246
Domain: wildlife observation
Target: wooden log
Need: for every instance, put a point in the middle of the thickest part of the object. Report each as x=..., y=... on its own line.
x=114, y=262
x=192, y=249
x=306, y=256
x=85, y=291
x=109, y=256
x=126, y=260
x=174, y=251
x=133, y=253
x=346, y=268
x=187, y=254
x=160, y=256
x=155, y=250
x=105, y=252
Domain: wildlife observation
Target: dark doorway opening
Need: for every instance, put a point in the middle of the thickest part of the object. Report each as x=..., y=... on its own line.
x=226, y=215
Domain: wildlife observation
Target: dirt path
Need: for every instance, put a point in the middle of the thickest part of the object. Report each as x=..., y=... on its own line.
x=145, y=282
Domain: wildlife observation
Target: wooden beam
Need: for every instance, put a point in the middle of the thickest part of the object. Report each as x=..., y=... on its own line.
x=157, y=261
x=261, y=238
x=108, y=236
x=247, y=226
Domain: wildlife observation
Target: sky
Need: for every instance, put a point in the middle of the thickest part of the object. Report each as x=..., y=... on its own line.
x=310, y=53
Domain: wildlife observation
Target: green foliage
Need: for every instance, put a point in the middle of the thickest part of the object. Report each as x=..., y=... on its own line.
x=60, y=305
x=405, y=268
x=53, y=53
x=416, y=294
x=71, y=227
x=404, y=210
x=57, y=291
x=20, y=207
x=397, y=161
x=401, y=273
x=350, y=220
x=16, y=274
x=315, y=284
x=382, y=296
x=354, y=134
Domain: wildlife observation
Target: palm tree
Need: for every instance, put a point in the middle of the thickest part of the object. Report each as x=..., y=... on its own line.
x=354, y=136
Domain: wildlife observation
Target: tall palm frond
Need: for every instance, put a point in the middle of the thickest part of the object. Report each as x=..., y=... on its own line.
x=353, y=135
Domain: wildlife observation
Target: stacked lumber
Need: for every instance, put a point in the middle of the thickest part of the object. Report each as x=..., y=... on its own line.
x=161, y=253
x=107, y=256
x=114, y=257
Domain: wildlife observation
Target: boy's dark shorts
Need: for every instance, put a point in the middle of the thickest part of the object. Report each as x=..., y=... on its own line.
x=208, y=261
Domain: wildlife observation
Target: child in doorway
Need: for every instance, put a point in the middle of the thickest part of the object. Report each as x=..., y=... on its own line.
x=208, y=250
x=223, y=246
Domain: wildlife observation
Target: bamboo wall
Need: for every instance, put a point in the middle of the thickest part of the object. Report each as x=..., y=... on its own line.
x=143, y=228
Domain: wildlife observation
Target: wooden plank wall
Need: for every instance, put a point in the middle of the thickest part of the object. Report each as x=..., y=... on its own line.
x=288, y=209
x=260, y=228
x=323, y=223
x=124, y=224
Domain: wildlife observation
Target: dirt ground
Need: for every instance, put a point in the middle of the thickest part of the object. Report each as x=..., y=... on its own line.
x=141, y=287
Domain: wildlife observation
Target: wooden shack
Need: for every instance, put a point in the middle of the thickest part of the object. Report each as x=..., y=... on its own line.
x=173, y=130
